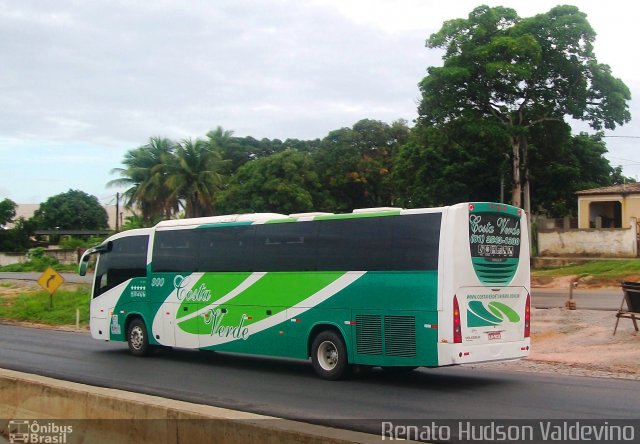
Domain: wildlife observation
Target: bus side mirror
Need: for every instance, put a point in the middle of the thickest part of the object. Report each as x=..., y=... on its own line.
x=84, y=263
x=84, y=260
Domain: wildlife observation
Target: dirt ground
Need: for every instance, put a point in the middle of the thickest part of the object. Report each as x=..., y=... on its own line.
x=9, y=289
x=581, y=343
x=571, y=342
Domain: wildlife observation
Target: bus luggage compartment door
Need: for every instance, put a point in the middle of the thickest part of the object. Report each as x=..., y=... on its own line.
x=100, y=322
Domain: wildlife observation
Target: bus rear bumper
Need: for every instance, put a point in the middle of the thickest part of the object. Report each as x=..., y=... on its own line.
x=451, y=354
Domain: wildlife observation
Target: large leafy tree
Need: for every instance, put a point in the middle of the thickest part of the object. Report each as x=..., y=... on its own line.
x=454, y=162
x=7, y=211
x=562, y=164
x=16, y=238
x=521, y=73
x=354, y=164
x=237, y=151
x=462, y=161
x=284, y=182
x=144, y=173
x=73, y=210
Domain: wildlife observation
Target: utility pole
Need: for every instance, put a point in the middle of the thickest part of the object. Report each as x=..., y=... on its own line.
x=117, y=212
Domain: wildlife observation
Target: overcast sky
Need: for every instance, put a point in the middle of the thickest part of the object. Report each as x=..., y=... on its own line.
x=84, y=81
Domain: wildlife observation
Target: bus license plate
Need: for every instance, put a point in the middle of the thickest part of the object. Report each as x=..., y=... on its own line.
x=494, y=335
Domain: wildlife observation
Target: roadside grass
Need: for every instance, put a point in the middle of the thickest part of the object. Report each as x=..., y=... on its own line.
x=34, y=307
x=612, y=271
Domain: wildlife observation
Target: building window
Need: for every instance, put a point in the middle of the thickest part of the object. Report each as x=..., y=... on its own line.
x=606, y=214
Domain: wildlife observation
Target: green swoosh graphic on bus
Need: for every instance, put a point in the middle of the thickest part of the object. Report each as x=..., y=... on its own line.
x=239, y=323
x=222, y=287
x=479, y=316
x=277, y=291
x=499, y=309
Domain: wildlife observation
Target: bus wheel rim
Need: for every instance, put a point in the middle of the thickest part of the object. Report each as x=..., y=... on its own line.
x=328, y=355
x=137, y=337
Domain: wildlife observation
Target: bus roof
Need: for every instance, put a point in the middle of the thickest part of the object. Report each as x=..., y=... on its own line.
x=259, y=218
x=296, y=217
x=230, y=218
x=278, y=217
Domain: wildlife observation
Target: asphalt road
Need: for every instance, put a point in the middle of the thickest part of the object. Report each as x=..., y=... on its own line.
x=73, y=278
x=290, y=389
x=586, y=299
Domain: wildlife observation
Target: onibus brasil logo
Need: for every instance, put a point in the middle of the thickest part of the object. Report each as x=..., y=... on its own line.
x=31, y=431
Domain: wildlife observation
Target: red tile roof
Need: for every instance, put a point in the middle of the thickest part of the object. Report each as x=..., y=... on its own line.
x=626, y=188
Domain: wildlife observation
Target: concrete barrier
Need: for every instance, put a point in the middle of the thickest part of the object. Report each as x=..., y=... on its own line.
x=78, y=413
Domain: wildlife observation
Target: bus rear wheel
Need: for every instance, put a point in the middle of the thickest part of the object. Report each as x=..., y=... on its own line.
x=329, y=356
x=137, y=338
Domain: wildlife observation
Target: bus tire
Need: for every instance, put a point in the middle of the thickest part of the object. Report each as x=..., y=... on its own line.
x=329, y=356
x=137, y=338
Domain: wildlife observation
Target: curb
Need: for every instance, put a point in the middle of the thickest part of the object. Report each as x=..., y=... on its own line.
x=98, y=414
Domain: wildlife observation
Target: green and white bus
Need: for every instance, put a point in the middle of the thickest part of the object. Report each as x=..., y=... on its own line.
x=386, y=287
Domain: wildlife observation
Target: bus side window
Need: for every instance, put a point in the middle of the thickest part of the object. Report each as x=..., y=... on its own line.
x=416, y=242
x=286, y=247
x=176, y=251
x=355, y=244
x=226, y=248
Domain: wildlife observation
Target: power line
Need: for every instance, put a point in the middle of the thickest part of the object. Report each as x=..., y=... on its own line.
x=624, y=137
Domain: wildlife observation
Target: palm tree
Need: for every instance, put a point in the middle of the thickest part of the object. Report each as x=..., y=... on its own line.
x=219, y=137
x=193, y=176
x=144, y=173
x=233, y=152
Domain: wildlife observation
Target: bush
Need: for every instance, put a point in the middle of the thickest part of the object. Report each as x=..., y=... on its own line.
x=73, y=243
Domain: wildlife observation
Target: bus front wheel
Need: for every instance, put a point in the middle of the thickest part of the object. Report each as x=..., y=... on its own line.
x=137, y=338
x=329, y=356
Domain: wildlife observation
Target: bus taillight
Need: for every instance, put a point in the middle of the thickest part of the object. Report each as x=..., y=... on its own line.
x=457, y=330
x=527, y=317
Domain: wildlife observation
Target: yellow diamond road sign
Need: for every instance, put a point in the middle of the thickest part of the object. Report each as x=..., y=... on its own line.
x=50, y=280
